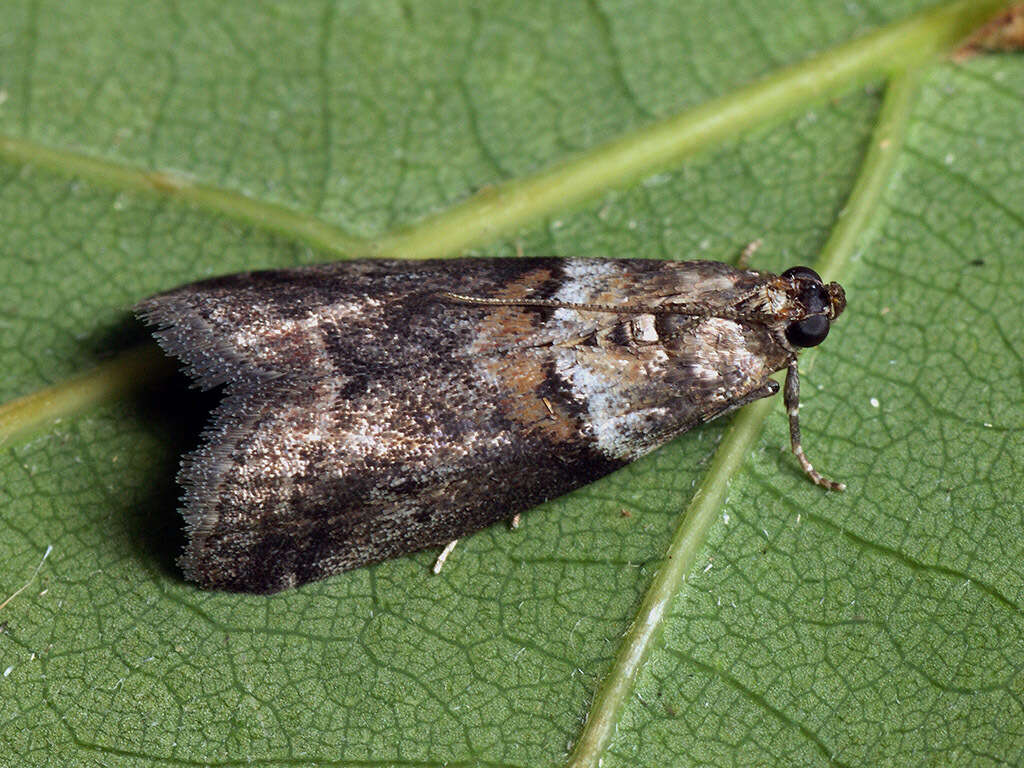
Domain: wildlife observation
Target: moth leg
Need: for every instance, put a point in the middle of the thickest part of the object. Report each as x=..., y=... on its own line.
x=439, y=563
x=743, y=262
x=443, y=557
x=791, y=397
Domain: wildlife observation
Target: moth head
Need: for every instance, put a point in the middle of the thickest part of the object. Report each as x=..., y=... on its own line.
x=819, y=304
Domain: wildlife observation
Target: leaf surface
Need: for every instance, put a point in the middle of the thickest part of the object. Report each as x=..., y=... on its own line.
x=880, y=626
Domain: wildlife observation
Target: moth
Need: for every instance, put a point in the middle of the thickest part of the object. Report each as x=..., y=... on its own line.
x=374, y=408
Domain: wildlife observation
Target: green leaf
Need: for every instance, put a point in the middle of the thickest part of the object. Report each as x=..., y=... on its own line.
x=738, y=615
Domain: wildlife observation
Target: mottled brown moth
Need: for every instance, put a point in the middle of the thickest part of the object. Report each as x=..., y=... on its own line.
x=375, y=408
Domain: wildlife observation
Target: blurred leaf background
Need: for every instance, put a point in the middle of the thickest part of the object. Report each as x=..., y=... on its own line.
x=880, y=626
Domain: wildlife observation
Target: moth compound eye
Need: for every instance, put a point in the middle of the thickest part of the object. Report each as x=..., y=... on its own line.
x=805, y=272
x=809, y=332
x=811, y=293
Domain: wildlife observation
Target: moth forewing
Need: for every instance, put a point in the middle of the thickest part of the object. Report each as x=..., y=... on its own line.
x=375, y=408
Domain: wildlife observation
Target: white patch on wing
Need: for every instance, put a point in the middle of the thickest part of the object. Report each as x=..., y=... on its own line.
x=715, y=334
x=621, y=432
x=644, y=329
x=623, y=436
x=614, y=430
x=581, y=276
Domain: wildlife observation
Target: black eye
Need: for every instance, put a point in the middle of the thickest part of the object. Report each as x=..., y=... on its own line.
x=802, y=272
x=809, y=332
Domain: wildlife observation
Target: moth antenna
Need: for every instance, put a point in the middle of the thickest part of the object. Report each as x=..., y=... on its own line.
x=547, y=303
x=615, y=309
